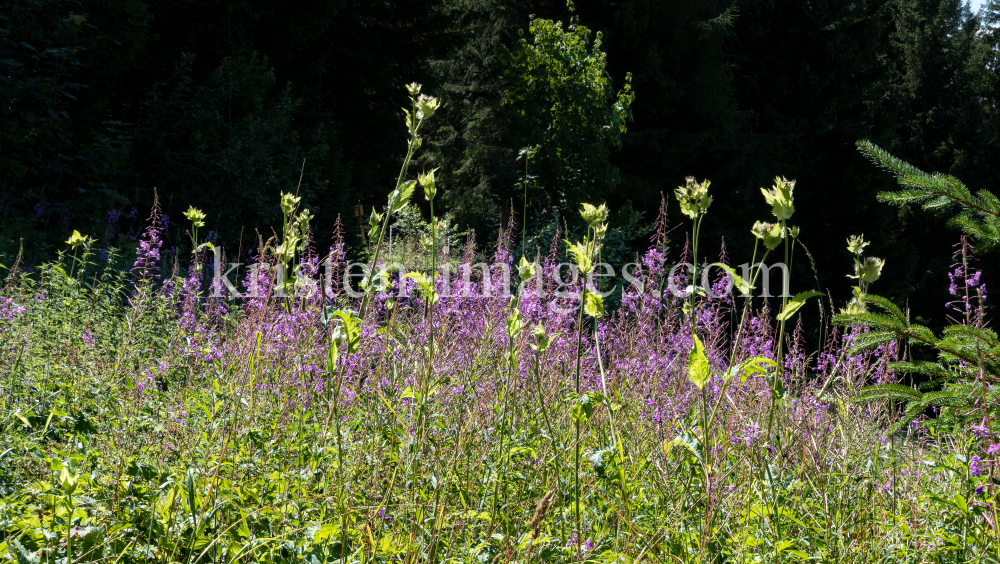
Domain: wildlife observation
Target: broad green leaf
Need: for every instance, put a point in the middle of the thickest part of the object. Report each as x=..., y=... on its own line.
x=699, y=369
x=326, y=532
x=352, y=330
x=754, y=366
x=401, y=196
x=797, y=302
x=593, y=304
x=742, y=285
x=687, y=442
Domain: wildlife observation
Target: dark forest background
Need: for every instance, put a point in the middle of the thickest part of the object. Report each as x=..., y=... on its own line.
x=217, y=103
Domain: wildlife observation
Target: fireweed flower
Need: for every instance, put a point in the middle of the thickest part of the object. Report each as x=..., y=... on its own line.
x=9, y=312
x=147, y=255
x=975, y=467
x=982, y=430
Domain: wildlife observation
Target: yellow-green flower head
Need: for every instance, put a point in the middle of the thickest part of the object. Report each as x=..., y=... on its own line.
x=196, y=216
x=289, y=202
x=413, y=88
x=600, y=230
x=76, y=239
x=594, y=215
x=693, y=197
x=427, y=182
x=870, y=270
x=856, y=244
x=426, y=105
x=769, y=233
x=780, y=198
x=794, y=231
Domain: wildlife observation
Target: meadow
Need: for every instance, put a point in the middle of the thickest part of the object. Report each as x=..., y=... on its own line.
x=149, y=416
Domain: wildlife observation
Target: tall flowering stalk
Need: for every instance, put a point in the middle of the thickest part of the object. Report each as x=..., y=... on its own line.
x=422, y=107
x=584, y=254
x=147, y=256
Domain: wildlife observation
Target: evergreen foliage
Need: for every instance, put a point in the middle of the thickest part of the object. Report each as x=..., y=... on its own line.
x=962, y=381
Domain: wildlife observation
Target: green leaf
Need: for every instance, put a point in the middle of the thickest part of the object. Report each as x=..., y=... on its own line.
x=742, y=285
x=515, y=324
x=23, y=419
x=751, y=367
x=797, y=302
x=581, y=255
x=326, y=532
x=699, y=369
x=401, y=195
x=68, y=481
x=352, y=330
x=688, y=443
x=593, y=304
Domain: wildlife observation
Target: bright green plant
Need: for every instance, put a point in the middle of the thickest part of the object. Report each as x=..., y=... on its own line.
x=422, y=107
x=568, y=111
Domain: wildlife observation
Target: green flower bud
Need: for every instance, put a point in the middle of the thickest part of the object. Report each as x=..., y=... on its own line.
x=594, y=215
x=413, y=88
x=870, y=270
x=196, y=216
x=780, y=198
x=856, y=244
x=693, y=197
x=769, y=233
x=426, y=106
x=427, y=182
x=288, y=203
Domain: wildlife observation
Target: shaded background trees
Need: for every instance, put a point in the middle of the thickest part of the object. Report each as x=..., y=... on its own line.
x=217, y=104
